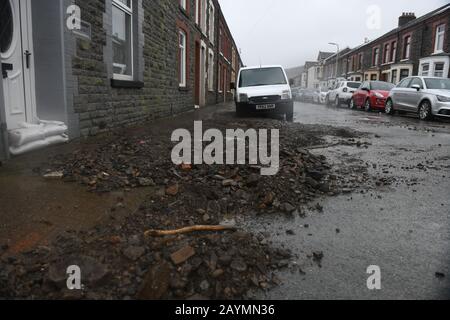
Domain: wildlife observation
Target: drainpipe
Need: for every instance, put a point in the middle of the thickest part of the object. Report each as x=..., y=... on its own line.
x=4, y=153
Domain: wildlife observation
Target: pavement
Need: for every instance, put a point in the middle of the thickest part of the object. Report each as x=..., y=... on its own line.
x=403, y=228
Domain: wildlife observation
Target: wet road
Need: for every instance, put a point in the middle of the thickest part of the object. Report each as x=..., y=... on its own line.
x=404, y=229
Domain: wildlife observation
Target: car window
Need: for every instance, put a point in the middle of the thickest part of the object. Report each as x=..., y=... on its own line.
x=354, y=85
x=443, y=84
x=364, y=85
x=416, y=81
x=404, y=83
x=382, y=86
x=261, y=77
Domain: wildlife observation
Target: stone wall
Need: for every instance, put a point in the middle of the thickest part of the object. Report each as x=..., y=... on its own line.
x=98, y=105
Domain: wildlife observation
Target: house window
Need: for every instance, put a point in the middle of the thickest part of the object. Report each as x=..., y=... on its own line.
x=211, y=22
x=407, y=47
x=373, y=77
x=404, y=73
x=440, y=36
x=387, y=53
x=393, y=51
x=183, y=4
x=394, y=76
x=182, y=56
x=220, y=41
x=425, y=70
x=203, y=11
x=211, y=70
x=219, y=76
x=360, y=61
x=376, y=56
x=439, y=69
x=122, y=39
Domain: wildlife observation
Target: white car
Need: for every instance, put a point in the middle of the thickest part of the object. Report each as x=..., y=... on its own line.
x=342, y=92
x=263, y=89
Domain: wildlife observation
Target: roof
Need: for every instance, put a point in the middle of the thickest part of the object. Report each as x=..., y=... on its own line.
x=406, y=26
x=324, y=55
x=263, y=66
x=310, y=64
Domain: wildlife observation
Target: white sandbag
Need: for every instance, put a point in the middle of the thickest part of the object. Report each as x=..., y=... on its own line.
x=35, y=145
x=15, y=151
x=23, y=136
x=54, y=130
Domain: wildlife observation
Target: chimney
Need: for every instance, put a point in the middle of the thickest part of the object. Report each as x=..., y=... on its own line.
x=405, y=18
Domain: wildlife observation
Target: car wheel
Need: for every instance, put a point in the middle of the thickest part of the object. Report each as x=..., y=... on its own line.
x=425, y=111
x=367, y=106
x=389, y=109
x=337, y=102
x=352, y=104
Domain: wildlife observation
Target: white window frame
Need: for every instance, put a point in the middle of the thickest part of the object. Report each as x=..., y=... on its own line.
x=443, y=69
x=203, y=14
x=439, y=34
x=211, y=70
x=197, y=9
x=219, y=79
x=183, y=58
x=425, y=73
x=212, y=21
x=128, y=10
x=183, y=4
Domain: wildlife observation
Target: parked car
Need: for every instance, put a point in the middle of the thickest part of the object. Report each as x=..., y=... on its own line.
x=372, y=95
x=320, y=96
x=295, y=93
x=426, y=96
x=263, y=89
x=305, y=95
x=342, y=93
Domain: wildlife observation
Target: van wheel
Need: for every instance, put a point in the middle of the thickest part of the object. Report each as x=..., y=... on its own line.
x=425, y=113
x=367, y=106
x=290, y=114
x=389, y=109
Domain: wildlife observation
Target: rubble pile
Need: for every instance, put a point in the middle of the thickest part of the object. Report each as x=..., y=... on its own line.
x=119, y=262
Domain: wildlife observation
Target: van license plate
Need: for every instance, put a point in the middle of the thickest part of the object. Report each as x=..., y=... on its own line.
x=265, y=107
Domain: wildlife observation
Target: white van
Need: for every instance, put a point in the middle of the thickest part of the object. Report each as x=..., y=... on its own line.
x=263, y=89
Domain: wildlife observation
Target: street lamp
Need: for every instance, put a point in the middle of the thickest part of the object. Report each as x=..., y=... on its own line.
x=337, y=56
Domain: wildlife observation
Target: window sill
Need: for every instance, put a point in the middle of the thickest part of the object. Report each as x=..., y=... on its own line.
x=183, y=89
x=128, y=84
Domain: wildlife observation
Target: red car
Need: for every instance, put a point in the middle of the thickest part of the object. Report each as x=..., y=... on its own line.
x=372, y=95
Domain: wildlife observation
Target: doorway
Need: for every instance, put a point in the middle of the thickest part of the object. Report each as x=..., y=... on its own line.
x=17, y=63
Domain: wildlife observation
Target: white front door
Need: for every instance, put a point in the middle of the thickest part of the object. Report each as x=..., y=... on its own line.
x=17, y=62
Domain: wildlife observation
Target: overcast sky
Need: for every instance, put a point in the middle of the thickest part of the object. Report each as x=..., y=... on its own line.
x=290, y=32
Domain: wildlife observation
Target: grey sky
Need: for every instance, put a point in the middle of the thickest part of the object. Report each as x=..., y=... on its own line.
x=289, y=32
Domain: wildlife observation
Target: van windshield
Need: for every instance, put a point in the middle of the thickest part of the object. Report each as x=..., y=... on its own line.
x=261, y=77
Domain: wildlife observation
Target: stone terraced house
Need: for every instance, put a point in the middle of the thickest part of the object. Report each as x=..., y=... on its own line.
x=75, y=68
x=418, y=46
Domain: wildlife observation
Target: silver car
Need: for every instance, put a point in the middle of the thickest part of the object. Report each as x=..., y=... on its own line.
x=426, y=96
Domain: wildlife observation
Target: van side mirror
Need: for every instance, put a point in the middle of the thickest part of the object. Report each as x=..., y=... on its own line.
x=233, y=86
x=291, y=82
